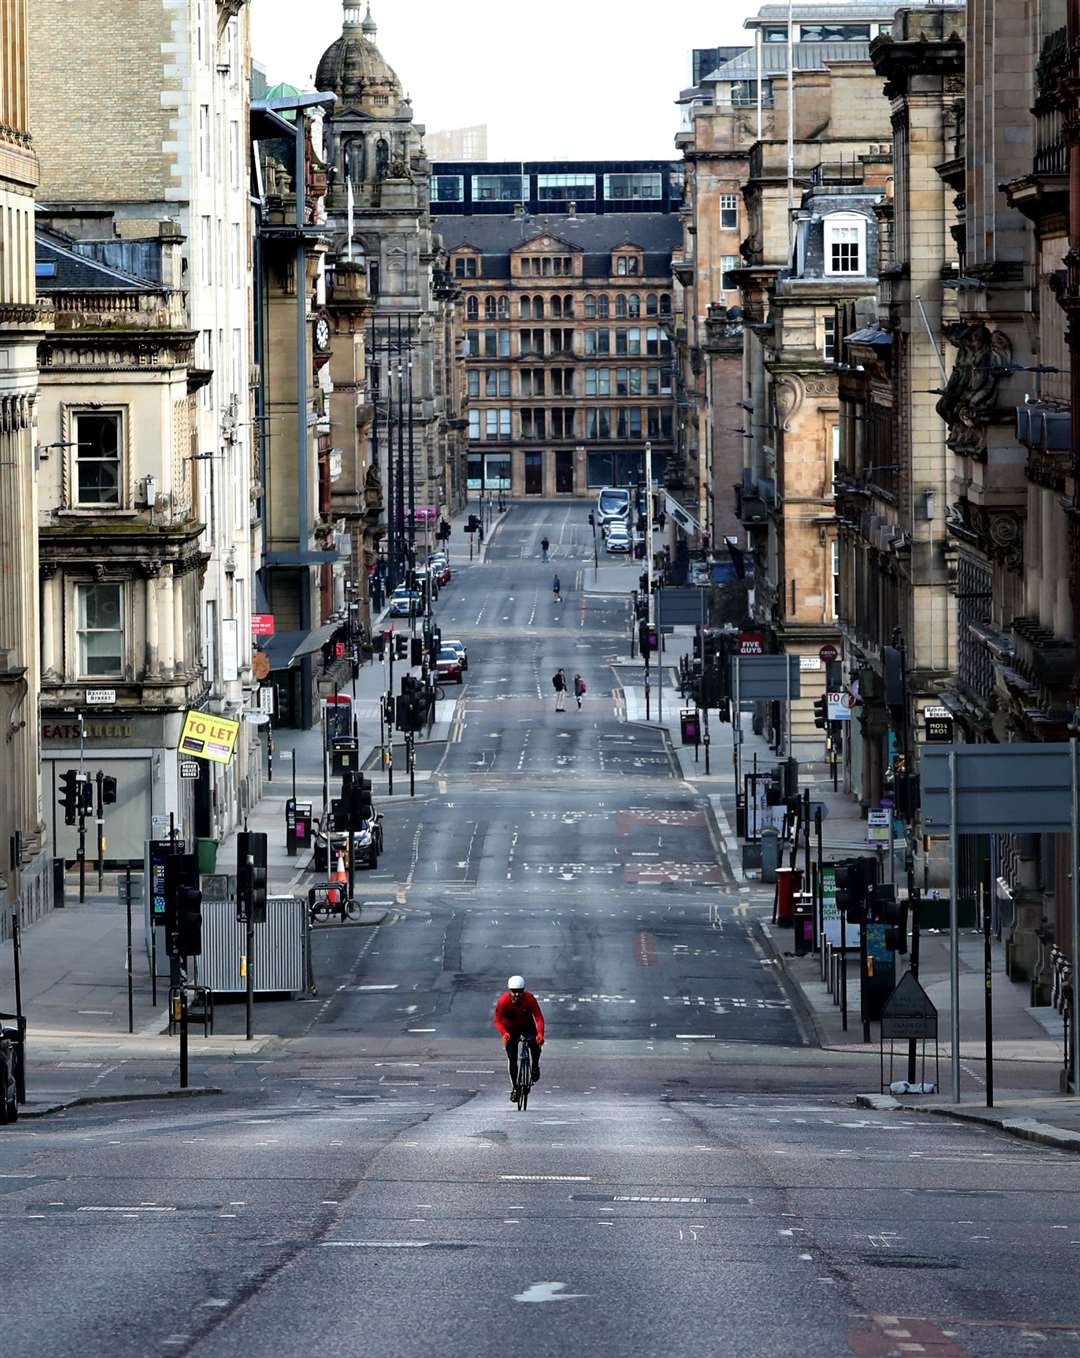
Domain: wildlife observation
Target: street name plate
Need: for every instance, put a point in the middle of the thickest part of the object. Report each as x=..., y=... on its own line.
x=100, y=697
x=909, y=1012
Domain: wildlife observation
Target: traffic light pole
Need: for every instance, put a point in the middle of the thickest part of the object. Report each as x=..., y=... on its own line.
x=410, y=755
x=82, y=849
x=99, y=778
x=249, y=978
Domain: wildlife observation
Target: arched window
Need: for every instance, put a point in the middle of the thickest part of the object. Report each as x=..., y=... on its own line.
x=665, y=304
x=556, y=308
x=620, y=306
x=472, y=309
x=603, y=307
x=568, y=305
x=650, y=304
x=590, y=308
x=382, y=158
x=538, y=308
x=489, y=308
x=525, y=308
x=635, y=304
x=504, y=308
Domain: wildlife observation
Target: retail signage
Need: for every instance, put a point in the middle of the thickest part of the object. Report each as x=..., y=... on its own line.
x=262, y=624
x=751, y=643
x=828, y=652
x=206, y=736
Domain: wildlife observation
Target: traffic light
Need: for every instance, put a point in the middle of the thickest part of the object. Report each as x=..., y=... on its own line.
x=86, y=795
x=69, y=795
x=887, y=910
x=416, y=651
x=472, y=524
x=401, y=646
x=378, y=644
x=251, y=875
x=592, y=519
x=821, y=712
x=906, y=793
x=855, y=878
x=444, y=531
x=639, y=551
x=108, y=790
x=648, y=637
x=356, y=796
x=183, y=906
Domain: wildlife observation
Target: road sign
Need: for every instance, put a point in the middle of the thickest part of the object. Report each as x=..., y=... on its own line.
x=837, y=708
x=681, y=607
x=987, y=779
x=764, y=677
x=100, y=697
x=206, y=736
x=878, y=825
x=828, y=652
x=189, y=768
x=266, y=699
x=262, y=624
x=122, y=886
x=909, y=1012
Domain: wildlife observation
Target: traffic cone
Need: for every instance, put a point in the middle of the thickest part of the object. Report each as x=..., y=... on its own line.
x=339, y=875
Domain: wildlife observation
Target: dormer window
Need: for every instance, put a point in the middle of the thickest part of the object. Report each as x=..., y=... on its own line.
x=845, y=245
x=627, y=266
x=466, y=266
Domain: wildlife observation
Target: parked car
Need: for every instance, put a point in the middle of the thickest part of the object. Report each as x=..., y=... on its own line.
x=440, y=568
x=448, y=665
x=400, y=605
x=618, y=540
x=459, y=646
x=367, y=845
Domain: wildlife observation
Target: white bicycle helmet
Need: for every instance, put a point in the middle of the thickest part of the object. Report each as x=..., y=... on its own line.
x=516, y=983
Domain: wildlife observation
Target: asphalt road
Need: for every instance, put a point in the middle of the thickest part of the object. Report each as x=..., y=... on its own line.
x=690, y=1176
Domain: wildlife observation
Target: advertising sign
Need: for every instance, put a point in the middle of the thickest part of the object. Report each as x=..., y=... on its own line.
x=751, y=643
x=838, y=709
x=206, y=736
x=262, y=624
x=878, y=825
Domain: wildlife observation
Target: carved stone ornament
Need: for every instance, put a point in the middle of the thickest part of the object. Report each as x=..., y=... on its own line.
x=789, y=393
x=983, y=358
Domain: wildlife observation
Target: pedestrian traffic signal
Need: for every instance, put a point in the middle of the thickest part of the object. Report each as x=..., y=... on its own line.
x=401, y=646
x=251, y=876
x=69, y=795
x=472, y=524
x=648, y=637
x=108, y=790
x=356, y=796
x=183, y=906
x=416, y=650
x=886, y=909
x=821, y=712
x=444, y=531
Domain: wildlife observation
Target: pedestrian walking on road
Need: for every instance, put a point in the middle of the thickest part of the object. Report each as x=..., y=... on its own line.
x=544, y=545
x=558, y=683
x=579, y=689
x=556, y=589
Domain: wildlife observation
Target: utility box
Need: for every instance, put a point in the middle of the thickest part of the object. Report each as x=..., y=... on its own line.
x=282, y=963
x=802, y=915
x=298, y=826
x=770, y=855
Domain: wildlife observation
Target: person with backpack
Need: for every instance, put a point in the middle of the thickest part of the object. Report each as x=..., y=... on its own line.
x=558, y=683
x=579, y=689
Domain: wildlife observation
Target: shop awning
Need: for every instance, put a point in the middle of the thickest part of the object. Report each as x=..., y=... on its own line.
x=285, y=648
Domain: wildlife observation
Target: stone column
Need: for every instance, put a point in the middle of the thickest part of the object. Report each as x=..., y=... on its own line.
x=182, y=646
x=51, y=643
x=163, y=605
x=150, y=570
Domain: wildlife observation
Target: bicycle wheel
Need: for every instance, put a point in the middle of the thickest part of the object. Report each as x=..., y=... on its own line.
x=440, y=693
x=524, y=1080
x=320, y=912
x=352, y=908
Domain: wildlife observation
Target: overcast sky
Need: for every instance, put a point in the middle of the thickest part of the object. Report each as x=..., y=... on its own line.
x=596, y=78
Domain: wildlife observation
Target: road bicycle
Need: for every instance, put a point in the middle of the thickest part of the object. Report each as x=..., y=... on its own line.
x=321, y=909
x=523, y=1083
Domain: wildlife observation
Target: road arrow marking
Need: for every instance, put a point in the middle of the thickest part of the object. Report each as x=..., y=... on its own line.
x=549, y=1292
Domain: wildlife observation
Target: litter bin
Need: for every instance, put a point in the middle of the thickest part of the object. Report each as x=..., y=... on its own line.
x=12, y=1065
x=206, y=851
x=788, y=881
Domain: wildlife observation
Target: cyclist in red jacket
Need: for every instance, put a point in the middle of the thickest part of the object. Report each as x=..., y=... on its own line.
x=518, y=1016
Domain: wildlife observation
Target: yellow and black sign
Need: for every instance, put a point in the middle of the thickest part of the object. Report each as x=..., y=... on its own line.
x=206, y=736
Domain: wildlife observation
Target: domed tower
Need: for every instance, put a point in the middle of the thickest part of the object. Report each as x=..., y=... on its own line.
x=370, y=135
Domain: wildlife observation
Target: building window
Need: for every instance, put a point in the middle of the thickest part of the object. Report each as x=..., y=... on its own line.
x=836, y=608
x=564, y=188
x=665, y=304
x=598, y=424
x=465, y=267
x=629, y=424
x=844, y=245
x=474, y=382
x=99, y=615
x=497, y=382
x=634, y=186
x=598, y=341
x=562, y=424
x=206, y=243
x=627, y=266
x=603, y=307
x=628, y=342
x=472, y=343
x=474, y=424
x=532, y=382
x=472, y=309
x=504, y=308
x=660, y=424
x=447, y=188
x=500, y=188
x=568, y=306
x=834, y=33
x=234, y=154
x=237, y=255
x=729, y=211
x=532, y=343
x=204, y=138
x=828, y=341
x=651, y=307
x=538, y=308
x=727, y=263
x=97, y=460
x=628, y=382
x=744, y=93
x=590, y=307
x=562, y=382
x=774, y=33
x=562, y=341
x=657, y=343
x=489, y=308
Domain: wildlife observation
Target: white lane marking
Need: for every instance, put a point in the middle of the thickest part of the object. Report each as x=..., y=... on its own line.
x=549, y=1292
x=375, y=1244
x=547, y=1179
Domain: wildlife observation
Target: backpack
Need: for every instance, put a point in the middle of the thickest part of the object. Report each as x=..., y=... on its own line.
x=555, y=682
x=583, y=688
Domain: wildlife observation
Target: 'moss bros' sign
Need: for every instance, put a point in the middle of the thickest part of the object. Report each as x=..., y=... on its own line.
x=206, y=736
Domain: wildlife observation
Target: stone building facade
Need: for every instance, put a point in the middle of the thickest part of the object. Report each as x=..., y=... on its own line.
x=378, y=207
x=149, y=126
x=25, y=884
x=894, y=478
x=122, y=561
